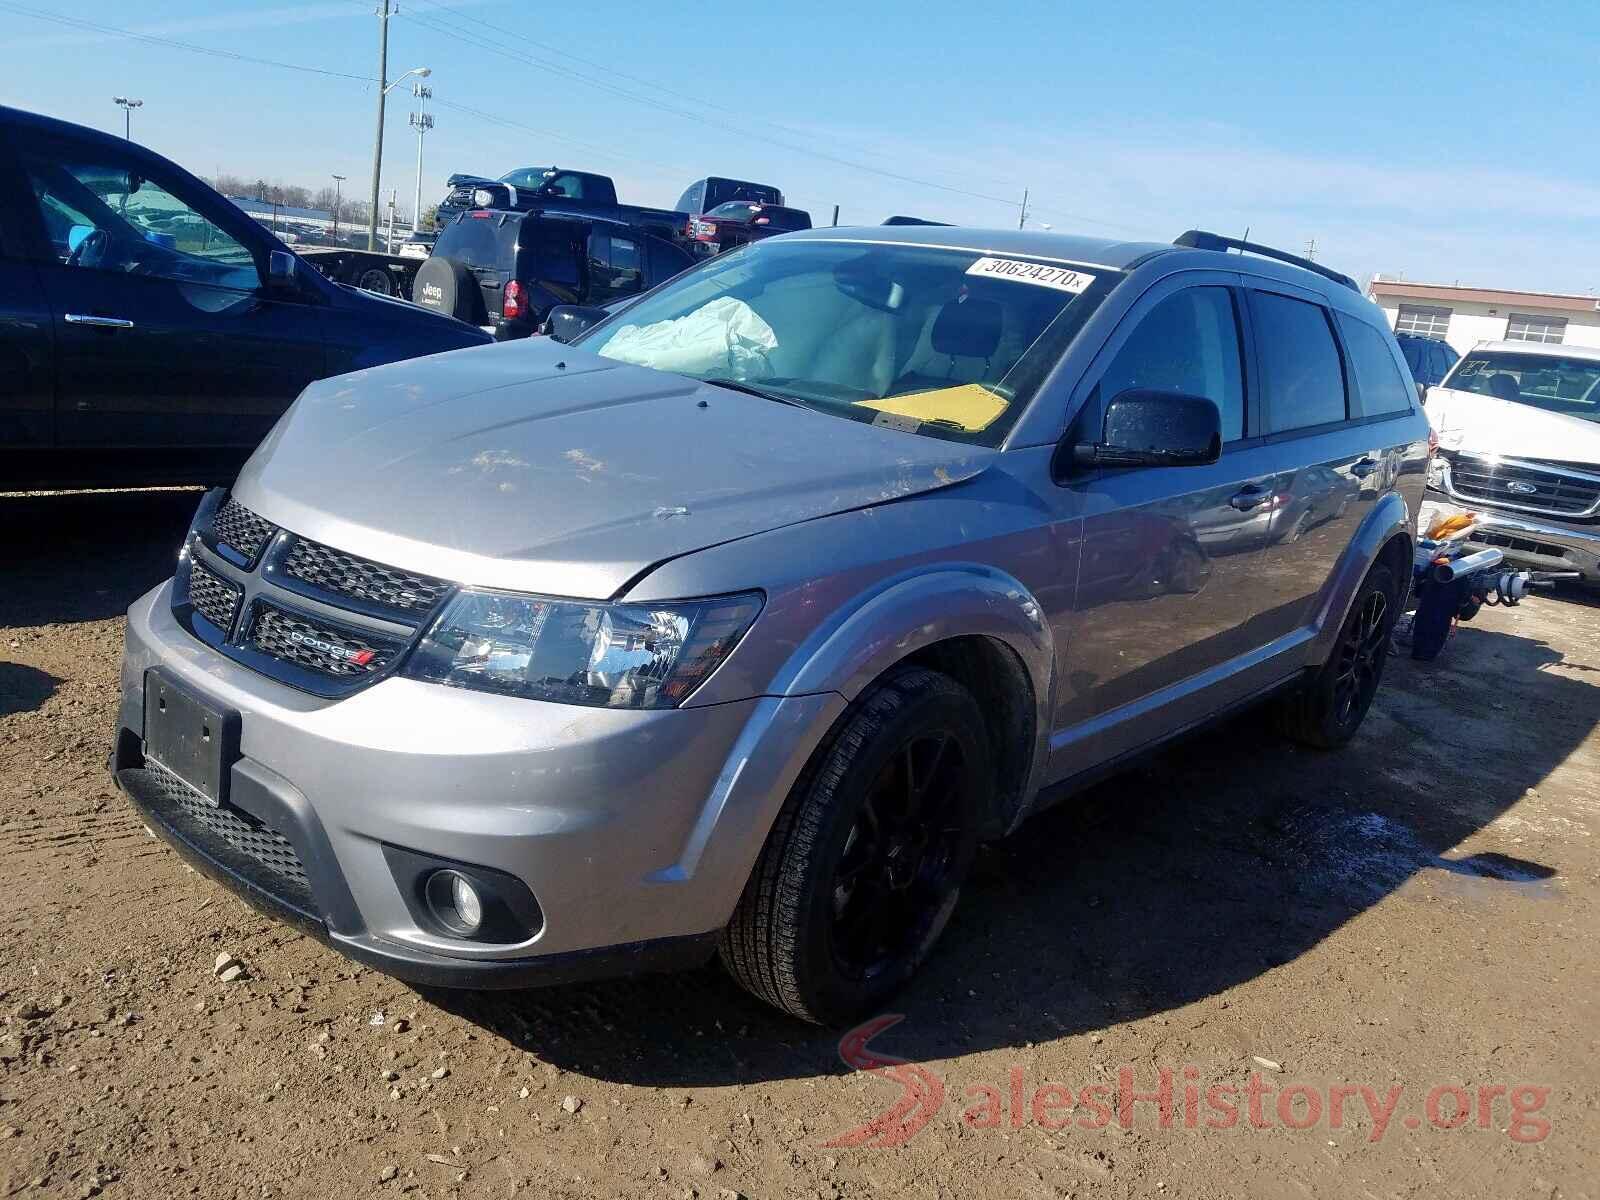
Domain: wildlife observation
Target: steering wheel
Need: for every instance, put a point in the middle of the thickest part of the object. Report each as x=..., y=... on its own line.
x=91, y=250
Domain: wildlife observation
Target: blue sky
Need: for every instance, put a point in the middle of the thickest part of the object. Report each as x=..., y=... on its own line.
x=1442, y=141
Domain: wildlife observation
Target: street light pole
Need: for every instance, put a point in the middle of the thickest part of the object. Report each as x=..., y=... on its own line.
x=127, y=106
x=421, y=121
x=338, y=194
x=377, y=145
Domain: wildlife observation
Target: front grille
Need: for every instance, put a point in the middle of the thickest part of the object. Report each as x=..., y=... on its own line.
x=267, y=848
x=1545, y=489
x=361, y=579
x=1524, y=545
x=213, y=597
x=236, y=526
x=339, y=653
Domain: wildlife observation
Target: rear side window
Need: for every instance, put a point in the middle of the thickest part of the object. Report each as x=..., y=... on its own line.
x=1301, y=372
x=1378, y=380
x=1188, y=344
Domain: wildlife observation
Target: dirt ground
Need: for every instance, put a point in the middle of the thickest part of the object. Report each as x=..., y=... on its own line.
x=1418, y=911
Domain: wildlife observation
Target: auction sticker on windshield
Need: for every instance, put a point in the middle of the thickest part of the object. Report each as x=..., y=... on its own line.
x=1063, y=279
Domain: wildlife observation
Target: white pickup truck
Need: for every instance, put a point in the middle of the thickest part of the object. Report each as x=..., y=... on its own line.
x=1519, y=444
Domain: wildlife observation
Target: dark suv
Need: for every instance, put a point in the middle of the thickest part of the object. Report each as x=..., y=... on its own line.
x=1429, y=358
x=505, y=271
x=150, y=331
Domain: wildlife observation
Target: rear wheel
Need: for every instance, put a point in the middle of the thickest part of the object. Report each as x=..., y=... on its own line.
x=1327, y=712
x=865, y=862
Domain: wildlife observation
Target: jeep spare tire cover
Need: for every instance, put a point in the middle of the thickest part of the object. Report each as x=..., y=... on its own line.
x=446, y=286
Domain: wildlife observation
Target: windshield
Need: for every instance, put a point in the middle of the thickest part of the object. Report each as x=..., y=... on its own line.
x=547, y=179
x=945, y=342
x=1560, y=385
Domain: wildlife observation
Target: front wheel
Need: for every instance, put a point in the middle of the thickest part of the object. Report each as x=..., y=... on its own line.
x=865, y=862
x=1327, y=712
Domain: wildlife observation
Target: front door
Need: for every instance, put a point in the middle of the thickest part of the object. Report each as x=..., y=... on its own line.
x=165, y=338
x=1167, y=581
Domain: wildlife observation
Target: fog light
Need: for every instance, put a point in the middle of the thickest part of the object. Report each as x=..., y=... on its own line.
x=455, y=902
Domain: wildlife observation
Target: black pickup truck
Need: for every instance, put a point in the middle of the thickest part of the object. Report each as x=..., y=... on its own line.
x=555, y=189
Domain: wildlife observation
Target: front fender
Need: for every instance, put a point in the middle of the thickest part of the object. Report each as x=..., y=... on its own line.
x=865, y=638
x=910, y=612
x=1389, y=516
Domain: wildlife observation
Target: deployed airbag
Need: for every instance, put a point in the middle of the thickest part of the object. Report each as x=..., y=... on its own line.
x=726, y=337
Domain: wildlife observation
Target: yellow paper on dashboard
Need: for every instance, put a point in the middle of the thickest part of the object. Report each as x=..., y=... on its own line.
x=969, y=405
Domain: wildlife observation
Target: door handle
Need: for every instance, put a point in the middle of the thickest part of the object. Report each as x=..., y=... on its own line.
x=1251, y=497
x=98, y=322
x=1363, y=467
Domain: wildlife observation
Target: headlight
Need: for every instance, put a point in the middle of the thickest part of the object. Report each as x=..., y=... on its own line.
x=603, y=655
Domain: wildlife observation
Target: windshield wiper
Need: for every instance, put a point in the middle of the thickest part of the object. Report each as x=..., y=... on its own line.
x=737, y=386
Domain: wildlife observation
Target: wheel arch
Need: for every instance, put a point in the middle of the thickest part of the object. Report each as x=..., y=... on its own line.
x=978, y=625
x=1384, y=536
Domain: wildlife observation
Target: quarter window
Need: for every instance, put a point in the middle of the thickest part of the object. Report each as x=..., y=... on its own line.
x=1424, y=320
x=1378, y=378
x=1188, y=344
x=1302, y=375
x=1523, y=328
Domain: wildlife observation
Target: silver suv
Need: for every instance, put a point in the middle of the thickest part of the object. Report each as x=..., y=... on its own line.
x=737, y=623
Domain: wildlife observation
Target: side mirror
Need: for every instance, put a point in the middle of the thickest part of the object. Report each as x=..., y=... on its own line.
x=281, y=275
x=567, y=321
x=1155, y=429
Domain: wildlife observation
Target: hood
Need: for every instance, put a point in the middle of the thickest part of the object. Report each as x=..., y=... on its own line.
x=536, y=467
x=1477, y=424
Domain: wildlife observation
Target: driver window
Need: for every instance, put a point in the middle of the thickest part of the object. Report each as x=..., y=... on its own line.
x=1187, y=344
x=101, y=214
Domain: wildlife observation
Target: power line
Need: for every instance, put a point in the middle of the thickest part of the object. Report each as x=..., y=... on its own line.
x=153, y=39
x=481, y=43
x=521, y=59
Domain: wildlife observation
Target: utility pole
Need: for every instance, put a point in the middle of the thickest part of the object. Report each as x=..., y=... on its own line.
x=338, y=195
x=388, y=241
x=836, y=215
x=1022, y=217
x=421, y=121
x=1311, y=249
x=377, y=145
x=127, y=106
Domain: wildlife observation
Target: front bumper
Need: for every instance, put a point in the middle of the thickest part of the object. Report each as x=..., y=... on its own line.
x=635, y=831
x=1532, y=542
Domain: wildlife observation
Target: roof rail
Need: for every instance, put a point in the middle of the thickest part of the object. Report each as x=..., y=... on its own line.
x=1199, y=239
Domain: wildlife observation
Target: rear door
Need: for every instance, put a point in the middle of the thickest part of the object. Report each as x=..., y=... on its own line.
x=165, y=337
x=1167, y=578
x=27, y=341
x=1333, y=461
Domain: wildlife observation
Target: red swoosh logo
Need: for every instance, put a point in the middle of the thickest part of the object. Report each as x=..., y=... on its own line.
x=921, y=1095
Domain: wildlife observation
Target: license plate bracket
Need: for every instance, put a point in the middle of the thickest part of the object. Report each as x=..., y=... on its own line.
x=196, y=740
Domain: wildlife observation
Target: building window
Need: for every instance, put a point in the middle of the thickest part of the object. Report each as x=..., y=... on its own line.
x=1522, y=328
x=1422, y=320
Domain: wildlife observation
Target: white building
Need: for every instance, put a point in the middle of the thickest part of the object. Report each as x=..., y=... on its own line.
x=1465, y=316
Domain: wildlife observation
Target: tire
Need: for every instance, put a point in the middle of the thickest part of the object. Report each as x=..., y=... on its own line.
x=836, y=917
x=1327, y=712
x=375, y=279
x=446, y=286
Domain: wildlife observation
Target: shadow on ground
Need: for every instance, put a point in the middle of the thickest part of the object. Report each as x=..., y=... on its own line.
x=86, y=556
x=1223, y=858
x=24, y=688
